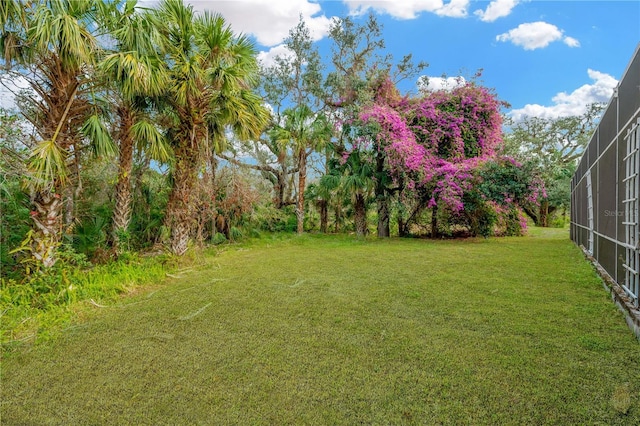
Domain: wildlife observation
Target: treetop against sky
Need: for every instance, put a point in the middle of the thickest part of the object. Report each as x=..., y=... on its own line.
x=545, y=58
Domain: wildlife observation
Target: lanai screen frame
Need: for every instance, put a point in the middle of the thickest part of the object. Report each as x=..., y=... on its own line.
x=602, y=229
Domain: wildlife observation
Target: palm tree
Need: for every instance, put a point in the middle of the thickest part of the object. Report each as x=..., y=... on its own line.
x=133, y=73
x=12, y=16
x=211, y=74
x=321, y=193
x=306, y=132
x=54, y=47
x=357, y=180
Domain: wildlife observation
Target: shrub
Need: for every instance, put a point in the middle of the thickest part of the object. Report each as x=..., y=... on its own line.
x=271, y=219
x=218, y=238
x=235, y=233
x=45, y=299
x=14, y=225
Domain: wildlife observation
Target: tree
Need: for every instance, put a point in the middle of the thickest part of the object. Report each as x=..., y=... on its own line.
x=296, y=77
x=433, y=143
x=551, y=147
x=357, y=180
x=211, y=74
x=52, y=45
x=272, y=161
x=14, y=214
x=457, y=130
x=132, y=73
x=306, y=132
x=360, y=76
x=320, y=193
x=292, y=86
x=501, y=187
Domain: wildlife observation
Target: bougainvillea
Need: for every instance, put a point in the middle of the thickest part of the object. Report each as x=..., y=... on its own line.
x=397, y=140
x=458, y=125
x=438, y=144
x=438, y=139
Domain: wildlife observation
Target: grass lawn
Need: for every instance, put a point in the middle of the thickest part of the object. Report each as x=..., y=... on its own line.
x=334, y=330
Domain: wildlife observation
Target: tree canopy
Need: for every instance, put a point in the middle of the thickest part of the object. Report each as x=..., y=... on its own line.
x=159, y=127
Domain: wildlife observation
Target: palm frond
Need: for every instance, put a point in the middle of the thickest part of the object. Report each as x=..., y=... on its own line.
x=62, y=27
x=213, y=34
x=11, y=46
x=135, y=74
x=151, y=140
x=47, y=164
x=101, y=142
x=11, y=13
x=330, y=181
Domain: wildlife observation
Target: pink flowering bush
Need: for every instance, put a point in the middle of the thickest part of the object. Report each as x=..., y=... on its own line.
x=439, y=138
x=458, y=125
x=438, y=146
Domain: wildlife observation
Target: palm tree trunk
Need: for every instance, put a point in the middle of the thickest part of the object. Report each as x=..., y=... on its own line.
x=47, y=218
x=324, y=216
x=122, y=209
x=381, y=199
x=360, y=215
x=383, y=217
x=337, y=215
x=434, y=221
x=178, y=215
x=302, y=180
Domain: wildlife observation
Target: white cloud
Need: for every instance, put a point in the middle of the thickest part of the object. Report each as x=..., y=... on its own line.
x=574, y=103
x=571, y=42
x=268, y=58
x=454, y=9
x=10, y=85
x=409, y=9
x=268, y=20
x=496, y=9
x=433, y=84
x=536, y=35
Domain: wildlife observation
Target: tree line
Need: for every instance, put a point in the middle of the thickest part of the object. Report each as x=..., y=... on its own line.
x=143, y=127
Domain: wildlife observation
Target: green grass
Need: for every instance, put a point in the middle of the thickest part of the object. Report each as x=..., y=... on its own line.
x=333, y=330
x=42, y=305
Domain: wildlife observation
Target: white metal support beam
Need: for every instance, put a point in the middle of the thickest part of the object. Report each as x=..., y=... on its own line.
x=632, y=213
x=589, y=210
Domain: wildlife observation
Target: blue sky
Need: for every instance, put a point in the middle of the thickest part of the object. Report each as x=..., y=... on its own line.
x=546, y=58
